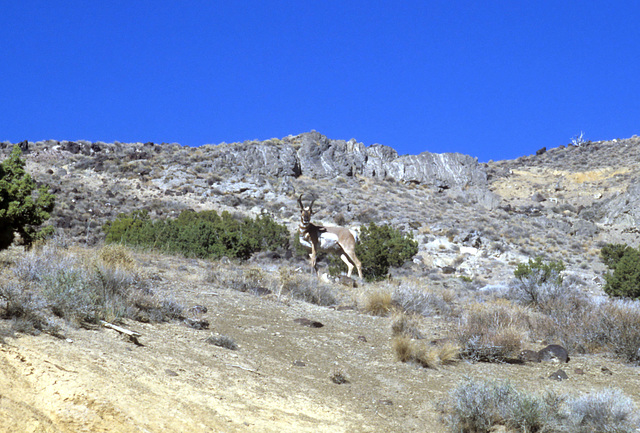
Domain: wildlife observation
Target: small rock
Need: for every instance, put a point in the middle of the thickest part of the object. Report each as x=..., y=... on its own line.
x=385, y=402
x=309, y=323
x=197, y=324
x=260, y=291
x=605, y=370
x=339, y=378
x=559, y=375
x=198, y=309
x=171, y=373
x=362, y=338
x=347, y=281
x=578, y=371
x=299, y=363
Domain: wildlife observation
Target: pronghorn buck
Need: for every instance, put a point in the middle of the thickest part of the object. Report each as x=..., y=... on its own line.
x=327, y=238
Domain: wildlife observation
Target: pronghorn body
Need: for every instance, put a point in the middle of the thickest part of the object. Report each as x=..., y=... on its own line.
x=327, y=238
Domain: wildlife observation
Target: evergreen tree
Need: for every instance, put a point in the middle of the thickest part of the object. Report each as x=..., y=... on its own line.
x=624, y=261
x=23, y=208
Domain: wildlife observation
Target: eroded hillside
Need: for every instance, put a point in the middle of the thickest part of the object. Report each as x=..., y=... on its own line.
x=474, y=223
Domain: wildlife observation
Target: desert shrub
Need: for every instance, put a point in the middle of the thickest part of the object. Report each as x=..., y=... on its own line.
x=416, y=299
x=23, y=209
x=51, y=284
x=223, y=341
x=199, y=234
x=381, y=247
x=574, y=321
x=305, y=287
x=491, y=332
x=70, y=293
x=624, y=261
x=542, y=272
x=27, y=309
x=618, y=329
x=533, y=290
x=287, y=283
x=608, y=410
x=477, y=406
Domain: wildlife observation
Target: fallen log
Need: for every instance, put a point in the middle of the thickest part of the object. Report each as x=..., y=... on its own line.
x=133, y=335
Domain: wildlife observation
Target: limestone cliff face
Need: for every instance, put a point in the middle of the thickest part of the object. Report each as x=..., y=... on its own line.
x=314, y=155
x=624, y=209
x=310, y=154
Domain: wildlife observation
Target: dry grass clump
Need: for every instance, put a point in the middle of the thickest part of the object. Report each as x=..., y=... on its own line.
x=117, y=256
x=378, y=302
x=492, y=331
x=424, y=354
x=305, y=287
x=405, y=324
x=286, y=283
x=243, y=279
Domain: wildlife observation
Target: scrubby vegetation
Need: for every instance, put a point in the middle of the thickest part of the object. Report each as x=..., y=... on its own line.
x=624, y=278
x=23, y=208
x=491, y=331
x=455, y=302
x=541, y=271
x=53, y=287
x=479, y=406
x=199, y=234
x=379, y=248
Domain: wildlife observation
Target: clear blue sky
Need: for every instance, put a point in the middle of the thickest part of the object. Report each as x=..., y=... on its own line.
x=492, y=79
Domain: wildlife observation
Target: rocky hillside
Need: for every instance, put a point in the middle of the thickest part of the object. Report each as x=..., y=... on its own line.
x=476, y=220
x=263, y=346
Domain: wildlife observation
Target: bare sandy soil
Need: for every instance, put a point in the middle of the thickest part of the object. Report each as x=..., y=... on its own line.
x=278, y=380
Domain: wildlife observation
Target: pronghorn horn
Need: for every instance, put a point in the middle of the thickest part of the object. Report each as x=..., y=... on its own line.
x=300, y=202
x=311, y=205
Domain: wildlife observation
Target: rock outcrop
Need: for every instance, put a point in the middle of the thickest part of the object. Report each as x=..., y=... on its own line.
x=316, y=156
x=623, y=210
x=310, y=154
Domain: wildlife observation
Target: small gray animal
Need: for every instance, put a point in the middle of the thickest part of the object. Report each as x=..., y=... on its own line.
x=529, y=356
x=553, y=352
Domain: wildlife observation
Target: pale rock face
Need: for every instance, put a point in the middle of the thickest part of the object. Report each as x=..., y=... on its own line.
x=314, y=155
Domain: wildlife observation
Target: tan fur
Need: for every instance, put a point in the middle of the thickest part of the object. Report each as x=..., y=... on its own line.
x=313, y=234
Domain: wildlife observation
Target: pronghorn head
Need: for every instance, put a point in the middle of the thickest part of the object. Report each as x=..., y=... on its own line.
x=305, y=211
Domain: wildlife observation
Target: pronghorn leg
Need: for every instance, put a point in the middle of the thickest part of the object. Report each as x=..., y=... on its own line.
x=356, y=262
x=349, y=264
x=313, y=257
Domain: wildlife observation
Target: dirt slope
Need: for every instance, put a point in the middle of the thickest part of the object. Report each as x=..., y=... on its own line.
x=279, y=379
